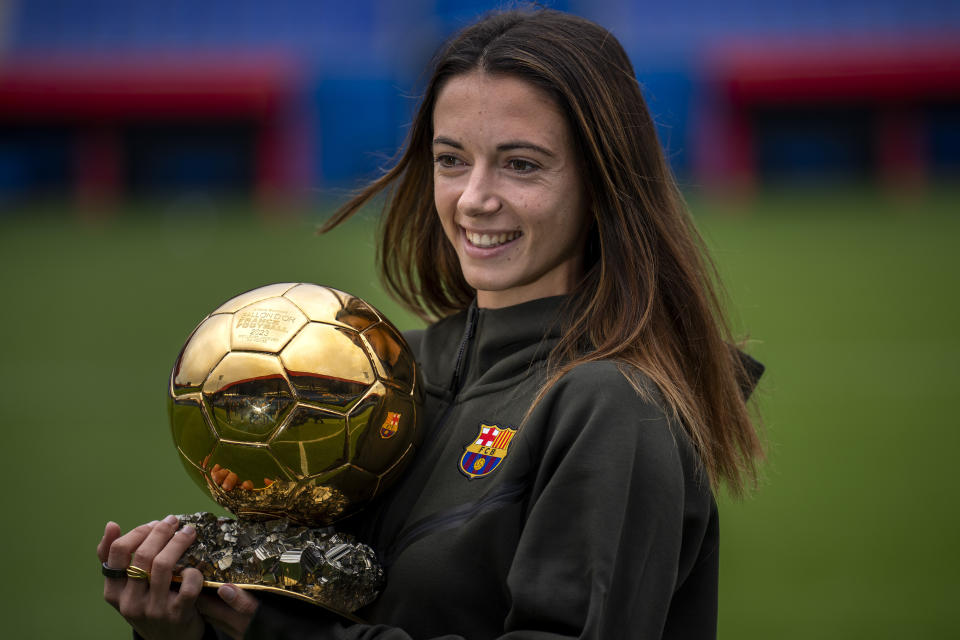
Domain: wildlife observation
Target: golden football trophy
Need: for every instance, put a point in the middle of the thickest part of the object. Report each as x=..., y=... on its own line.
x=292, y=406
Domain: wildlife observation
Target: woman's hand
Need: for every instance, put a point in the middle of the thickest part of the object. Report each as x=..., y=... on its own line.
x=148, y=604
x=233, y=614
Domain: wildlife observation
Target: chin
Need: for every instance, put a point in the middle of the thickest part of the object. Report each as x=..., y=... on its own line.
x=493, y=285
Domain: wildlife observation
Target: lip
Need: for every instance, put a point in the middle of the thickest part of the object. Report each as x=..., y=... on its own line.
x=475, y=251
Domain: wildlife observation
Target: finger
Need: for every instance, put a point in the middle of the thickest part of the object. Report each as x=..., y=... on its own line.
x=111, y=586
x=161, y=571
x=227, y=617
x=231, y=481
x=190, y=587
x=123, y=547
x=157, y=539
x=118, y=557
x=135, y=588
x=238, y=599
x=216, y=612
x=110, y=533
x=247, y=484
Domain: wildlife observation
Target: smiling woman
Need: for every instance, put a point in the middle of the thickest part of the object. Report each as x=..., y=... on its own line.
x=582, y=397
x=507, y=189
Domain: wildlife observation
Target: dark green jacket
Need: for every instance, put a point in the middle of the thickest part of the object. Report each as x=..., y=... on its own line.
x=596, y=520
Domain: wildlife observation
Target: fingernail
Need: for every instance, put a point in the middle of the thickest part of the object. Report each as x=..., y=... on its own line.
x=188, y=530
x=170, y=519
x=227, y=593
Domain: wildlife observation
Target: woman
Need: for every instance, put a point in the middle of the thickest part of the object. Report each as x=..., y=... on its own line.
x=582, y=397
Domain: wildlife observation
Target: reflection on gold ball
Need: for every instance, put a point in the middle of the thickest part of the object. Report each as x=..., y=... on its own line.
x=294, y=400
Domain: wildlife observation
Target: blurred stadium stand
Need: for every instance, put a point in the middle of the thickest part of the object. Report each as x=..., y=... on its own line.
x=105, y=99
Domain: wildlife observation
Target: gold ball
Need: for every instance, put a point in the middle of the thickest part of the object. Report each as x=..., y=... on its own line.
x=296, y=401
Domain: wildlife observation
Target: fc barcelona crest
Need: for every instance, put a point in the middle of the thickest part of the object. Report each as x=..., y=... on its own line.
x=390, y=425
x=484, y=454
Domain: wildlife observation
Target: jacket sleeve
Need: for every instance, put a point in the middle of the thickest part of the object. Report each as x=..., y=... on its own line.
x=616, y=520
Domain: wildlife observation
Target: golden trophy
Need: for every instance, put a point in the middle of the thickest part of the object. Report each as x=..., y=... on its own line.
x=292, y=406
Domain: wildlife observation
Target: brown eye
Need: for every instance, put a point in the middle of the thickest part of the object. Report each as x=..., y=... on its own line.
x=446, y=161
x=521, y=166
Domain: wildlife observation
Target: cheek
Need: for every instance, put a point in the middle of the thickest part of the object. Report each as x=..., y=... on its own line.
x=444, y=199
x=445, y=207
x=569, y=228
x=439, y=203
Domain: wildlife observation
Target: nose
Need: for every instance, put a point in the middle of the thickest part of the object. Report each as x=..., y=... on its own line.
x=479, y=196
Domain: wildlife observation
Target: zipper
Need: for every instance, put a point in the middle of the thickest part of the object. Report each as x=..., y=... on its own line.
x=454, y=517
x=472, y=314
x=452, y=390
x=454, y=387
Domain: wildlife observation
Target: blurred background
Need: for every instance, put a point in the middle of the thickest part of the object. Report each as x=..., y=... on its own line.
x=159, y=158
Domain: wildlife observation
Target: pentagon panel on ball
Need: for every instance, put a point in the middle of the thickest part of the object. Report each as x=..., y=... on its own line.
x=295, y=401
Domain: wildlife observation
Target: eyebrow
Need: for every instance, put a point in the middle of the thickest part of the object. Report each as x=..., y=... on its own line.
x=510, y=145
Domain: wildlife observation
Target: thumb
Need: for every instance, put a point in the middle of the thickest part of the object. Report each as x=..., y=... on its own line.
x=239, y=600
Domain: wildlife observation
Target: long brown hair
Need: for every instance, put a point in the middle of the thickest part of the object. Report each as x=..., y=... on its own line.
x=648, y=298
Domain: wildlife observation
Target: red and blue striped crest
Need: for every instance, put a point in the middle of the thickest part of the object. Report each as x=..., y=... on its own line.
x=485, y=452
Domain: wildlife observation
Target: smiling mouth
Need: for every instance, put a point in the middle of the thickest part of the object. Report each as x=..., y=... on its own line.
x=488, y=240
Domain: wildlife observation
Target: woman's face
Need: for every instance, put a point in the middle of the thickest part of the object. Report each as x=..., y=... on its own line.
x=508, y=188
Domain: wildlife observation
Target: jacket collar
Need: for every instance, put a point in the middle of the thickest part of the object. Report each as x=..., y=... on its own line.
x=484, y=346
x=487, y=346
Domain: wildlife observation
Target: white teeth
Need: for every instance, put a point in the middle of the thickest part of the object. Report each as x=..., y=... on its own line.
x=485, y=241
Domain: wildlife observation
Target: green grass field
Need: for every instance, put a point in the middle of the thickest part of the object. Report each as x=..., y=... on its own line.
x=850, y=298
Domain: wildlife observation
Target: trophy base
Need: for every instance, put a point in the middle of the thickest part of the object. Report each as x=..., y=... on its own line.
x=319, y=566
x=211, y=584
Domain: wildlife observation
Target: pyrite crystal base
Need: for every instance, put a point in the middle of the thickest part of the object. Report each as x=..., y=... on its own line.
x=321, y=566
